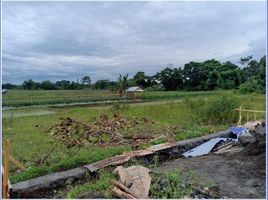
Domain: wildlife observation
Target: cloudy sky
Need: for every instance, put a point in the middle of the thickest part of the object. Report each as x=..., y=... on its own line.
x=67, y=40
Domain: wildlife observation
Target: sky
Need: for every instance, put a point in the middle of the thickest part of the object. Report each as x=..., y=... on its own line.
x=68, y=40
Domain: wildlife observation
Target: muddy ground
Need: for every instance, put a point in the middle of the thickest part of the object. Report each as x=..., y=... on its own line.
x=239, y=175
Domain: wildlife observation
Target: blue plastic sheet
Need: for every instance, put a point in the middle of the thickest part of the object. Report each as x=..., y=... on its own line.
x=238, y=131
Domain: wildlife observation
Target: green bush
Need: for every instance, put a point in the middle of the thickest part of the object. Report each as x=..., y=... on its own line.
x=219, y=110
x=193, y=104
x=251, y=87
x=168, y=185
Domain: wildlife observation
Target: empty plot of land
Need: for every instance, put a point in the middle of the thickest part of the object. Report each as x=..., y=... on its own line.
x=236, y=176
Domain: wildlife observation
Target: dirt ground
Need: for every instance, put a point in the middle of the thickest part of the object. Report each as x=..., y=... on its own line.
x=240, y=175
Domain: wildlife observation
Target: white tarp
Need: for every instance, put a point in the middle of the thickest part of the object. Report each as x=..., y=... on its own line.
x=204, y=148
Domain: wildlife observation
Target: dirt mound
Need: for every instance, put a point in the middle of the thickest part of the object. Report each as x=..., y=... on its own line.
x=255, y=148
x=104, y=131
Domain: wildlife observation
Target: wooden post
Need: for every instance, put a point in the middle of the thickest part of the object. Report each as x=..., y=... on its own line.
x=240, y=116
x=6, y=170
x=247, y=116
x=255, y=116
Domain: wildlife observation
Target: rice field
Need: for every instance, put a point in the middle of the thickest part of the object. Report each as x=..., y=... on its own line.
x=19, y=98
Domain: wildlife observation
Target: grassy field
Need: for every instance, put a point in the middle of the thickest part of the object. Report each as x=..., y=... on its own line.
x=17, y=98
x=30, y=144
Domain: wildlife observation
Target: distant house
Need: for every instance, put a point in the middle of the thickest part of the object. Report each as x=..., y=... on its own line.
x=133, y=92
x=134, y=89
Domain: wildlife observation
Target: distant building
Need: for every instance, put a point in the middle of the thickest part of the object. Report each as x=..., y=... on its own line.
x=133, y=92
x=134, y=89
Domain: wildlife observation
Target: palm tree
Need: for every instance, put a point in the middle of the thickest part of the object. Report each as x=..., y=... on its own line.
x=122, y=84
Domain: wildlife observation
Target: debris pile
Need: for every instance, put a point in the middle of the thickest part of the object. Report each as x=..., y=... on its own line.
x=240, y=137
x=104, y=131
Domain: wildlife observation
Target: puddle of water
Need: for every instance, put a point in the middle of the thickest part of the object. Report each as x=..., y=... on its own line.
x=26, y=114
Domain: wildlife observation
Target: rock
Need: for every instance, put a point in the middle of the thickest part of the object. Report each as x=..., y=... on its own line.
x=260, y=131
x=69, y=181
x=246, y=138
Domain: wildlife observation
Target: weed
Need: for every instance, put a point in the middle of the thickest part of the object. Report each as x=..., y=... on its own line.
x=168, y=185
x=220, y=110
x=29, y=143
x=101, y=184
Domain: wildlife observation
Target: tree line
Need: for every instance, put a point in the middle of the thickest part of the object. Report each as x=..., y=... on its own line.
x=194, y=76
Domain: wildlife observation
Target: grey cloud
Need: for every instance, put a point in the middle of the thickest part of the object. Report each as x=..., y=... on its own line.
x=56, y=40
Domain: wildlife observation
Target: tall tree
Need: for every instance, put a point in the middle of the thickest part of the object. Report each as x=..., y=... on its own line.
x=122, y=84
x=86, y=80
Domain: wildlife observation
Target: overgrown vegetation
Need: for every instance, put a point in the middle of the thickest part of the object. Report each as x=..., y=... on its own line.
x=220, y=110
x=169, y=186
x=30, y=145
x=100, y=184
x=18, y=98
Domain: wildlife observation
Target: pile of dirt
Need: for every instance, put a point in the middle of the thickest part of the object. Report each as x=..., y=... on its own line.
x=104, y=131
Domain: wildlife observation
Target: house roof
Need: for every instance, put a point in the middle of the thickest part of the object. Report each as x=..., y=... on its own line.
x=134, y=89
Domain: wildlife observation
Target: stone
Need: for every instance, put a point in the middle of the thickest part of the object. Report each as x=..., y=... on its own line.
x=246, y=138
x=260, y=131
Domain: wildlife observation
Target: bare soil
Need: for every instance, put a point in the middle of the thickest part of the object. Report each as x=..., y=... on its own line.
x=239, y=175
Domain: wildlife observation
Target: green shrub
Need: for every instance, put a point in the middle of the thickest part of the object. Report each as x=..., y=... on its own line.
x=191, y=103
x=102, y=184
x=168, y=185
x=251, y=87
x=219, y=110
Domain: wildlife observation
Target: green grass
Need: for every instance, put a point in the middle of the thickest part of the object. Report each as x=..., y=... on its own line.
x=19, y=98
x=168, y=185
x=29, y=143
x=101, y=184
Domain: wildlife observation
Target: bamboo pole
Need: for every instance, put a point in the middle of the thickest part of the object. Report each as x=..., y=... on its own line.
x=240, y=110
x=15, y=162
x=240, y=116
x=254, y=111
x=6, y=170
